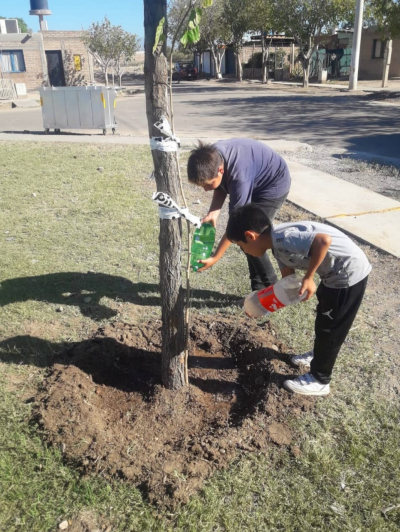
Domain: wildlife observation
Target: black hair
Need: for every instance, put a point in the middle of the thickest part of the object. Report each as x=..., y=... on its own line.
x=203, y=164
x=250, y=217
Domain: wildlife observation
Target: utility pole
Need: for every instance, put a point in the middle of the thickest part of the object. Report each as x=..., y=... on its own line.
x=355, y=53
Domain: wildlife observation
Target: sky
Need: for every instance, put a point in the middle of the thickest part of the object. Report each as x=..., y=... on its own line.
x=78, y=14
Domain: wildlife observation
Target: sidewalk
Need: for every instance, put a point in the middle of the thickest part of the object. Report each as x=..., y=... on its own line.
x=364, y=86
x=360, y=212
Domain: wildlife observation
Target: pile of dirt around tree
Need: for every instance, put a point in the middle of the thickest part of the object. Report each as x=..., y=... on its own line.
x=104, y=406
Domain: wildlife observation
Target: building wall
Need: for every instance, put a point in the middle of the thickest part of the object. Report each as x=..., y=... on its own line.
x=70, y=44
x=34, y=47
x=31, y=46
x=370, y=68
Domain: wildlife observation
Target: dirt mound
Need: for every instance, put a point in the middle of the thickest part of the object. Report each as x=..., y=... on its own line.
x=104, y=405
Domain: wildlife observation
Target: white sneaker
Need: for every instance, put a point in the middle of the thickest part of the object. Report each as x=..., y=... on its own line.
x=306, y=385
x=304, y=359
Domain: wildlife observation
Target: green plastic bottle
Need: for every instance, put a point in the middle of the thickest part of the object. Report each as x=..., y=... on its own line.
x=202, y=245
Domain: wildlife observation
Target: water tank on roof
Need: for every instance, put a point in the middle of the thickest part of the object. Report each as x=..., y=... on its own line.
x=39, y=7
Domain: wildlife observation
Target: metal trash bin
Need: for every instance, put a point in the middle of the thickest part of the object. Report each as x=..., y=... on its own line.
x=89, y=107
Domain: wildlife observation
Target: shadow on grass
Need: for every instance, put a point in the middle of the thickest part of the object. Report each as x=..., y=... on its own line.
x=85, y=290
x=107, y=361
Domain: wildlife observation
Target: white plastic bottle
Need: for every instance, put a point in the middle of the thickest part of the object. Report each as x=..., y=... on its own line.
x=283, y=293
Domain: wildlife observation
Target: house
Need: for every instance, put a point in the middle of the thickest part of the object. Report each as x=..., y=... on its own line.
x=372, y=54
x=55, y=58
x=205, y=64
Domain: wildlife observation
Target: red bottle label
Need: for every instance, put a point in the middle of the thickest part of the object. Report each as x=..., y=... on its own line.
x=269, y=300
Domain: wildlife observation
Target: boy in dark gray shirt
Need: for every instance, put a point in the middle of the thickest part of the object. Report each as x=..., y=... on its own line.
x=315, y=248
x=249, y=171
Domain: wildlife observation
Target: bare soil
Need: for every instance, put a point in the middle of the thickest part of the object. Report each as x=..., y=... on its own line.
x=104, y=406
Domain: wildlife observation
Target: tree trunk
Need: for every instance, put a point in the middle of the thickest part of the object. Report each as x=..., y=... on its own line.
x=220, y=56
x=106, y=75
x=263, y=58
x=306, y=71
x=239, y=71
x=166, y=171
x=306, y=64
x=214, y=62
x=386, y=62
x=217, y=63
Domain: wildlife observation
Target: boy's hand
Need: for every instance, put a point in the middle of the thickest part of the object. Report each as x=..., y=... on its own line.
x=309, y=285
x=211, y=218
x=207, y=263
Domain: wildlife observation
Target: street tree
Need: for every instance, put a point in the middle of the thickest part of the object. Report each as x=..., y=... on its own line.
x=215, y=34
x=262, y=21
x=308, y=21
x=237, y=18
x=385, y=14
x=158, y=90
x=109, y=45
x=126, y=45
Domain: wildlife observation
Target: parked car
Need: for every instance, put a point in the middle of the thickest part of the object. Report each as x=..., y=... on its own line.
x=184, y=70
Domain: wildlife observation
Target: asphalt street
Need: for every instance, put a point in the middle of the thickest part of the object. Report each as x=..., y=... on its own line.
x=206, y=109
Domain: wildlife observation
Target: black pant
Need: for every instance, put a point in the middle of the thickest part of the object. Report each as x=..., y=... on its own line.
x=261, y=270
x=336, y=310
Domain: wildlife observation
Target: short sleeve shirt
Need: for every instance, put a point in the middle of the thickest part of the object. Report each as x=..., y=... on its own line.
x=253, y=172
x=345, y=263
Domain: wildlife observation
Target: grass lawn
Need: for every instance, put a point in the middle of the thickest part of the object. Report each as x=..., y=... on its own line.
x=80, y=248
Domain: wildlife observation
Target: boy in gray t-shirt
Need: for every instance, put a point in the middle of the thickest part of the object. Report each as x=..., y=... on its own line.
x=315, y=248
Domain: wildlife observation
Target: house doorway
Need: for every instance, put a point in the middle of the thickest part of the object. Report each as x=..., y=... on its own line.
x=55, y=68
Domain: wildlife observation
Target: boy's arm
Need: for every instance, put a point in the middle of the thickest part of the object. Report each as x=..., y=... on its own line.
x=223, y=245
x=219, y=197
x=318, y=251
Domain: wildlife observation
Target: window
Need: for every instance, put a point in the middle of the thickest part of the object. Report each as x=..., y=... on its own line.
x=378, y=49
x=77, y=63
x=12, y=61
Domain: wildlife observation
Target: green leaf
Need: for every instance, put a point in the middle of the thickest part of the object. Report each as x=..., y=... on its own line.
x=160, y=37
x=207, y=3
x=195, y=17
x=191, y=36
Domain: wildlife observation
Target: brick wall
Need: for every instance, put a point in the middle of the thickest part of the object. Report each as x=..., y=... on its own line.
x=68, y=42
x=33, y=75
x=371, y=68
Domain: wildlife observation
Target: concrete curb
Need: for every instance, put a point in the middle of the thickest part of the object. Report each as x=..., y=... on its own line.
x=24, y=104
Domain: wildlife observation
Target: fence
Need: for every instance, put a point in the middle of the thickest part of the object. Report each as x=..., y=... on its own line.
x=7, y=90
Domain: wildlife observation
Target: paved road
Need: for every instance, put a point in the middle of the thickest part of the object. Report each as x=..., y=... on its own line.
x=213, y=110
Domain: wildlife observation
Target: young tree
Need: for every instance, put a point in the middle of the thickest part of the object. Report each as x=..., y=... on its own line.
x=165, y=171
x=308, y=21
x=126, y=45
x=175, y=323
x=107, y=44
